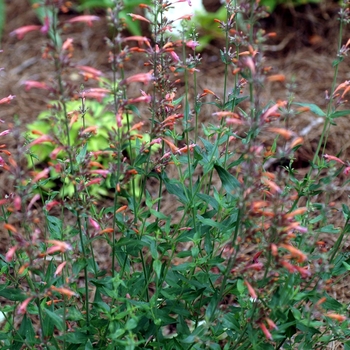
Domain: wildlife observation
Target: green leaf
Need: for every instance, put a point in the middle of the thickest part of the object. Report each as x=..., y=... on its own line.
x=337, y=61
x=2, y=17
x=81, y=156
x=347, y=266
x=210, y=222
x=173, y=187
x=329, y=229
x=233, y=102
x=157, y=266
x=55, y=226
x=26, y=330
x=340, y=114
x=130, y=324
x=229, y=182
x=74, y=337
x=13, y=294
x=313, y=108
x=240, y=287
x=56, y=320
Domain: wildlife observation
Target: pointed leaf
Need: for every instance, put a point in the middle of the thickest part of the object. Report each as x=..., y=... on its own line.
x=229, y=182
x=313, y=108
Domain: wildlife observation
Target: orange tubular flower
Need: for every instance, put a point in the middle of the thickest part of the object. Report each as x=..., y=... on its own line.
x=23, y=307
x=226, y=114
x=137, y=126
x=336, y=317
x=251, y=290
x=277, y=77
x=186, y=148
x=60, y=268
x=295, y=252
x=336, y=159
x=29, y=84
x=144, y=78
x=11, y=253
x=7, y=99
x=274, y=188
x=272, y=110
x=123, y=208
x=41, y=175
x=64, y=291
x=271, y=324
x=296, y=142
x=106, y=230
x=63, y=246
x=138, y=17
x=287, y=134
x=296, y=212
x=10, y=227
x=93, y=72
x=173, y=148
x=85, y=18
x=22, y=31
x=137, y=38
x=42, y=139
x=265, y=331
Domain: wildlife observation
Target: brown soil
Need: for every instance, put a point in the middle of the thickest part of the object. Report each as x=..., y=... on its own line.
x=303, y=50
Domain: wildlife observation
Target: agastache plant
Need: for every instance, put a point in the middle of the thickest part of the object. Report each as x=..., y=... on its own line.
x=201, y=243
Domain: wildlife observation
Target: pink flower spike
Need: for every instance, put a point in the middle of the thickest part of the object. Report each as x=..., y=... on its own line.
x=272, y=110
x=85, y=18
x=23, y=307
x=17, y=203
x=145, y=98
x=7, y=99
x=192, y=44
x=2, y=162
x=265, y=331
x=22, y=31
x=304, y=271
x=270, y=323
x=68, y=44
x=144, y=78
x=185, y=17
x=51, y=204
x=137, y=38
x=54, y=153
x=29, y=84
x=157, y=141
x=63, y=246
x=42, y=139
x=101, y=172
x=95, y=181
x=34, y=199
x=41, y=175
x=60, y=268
x=174, y=56
x=94, y=224
x=93, y=71
x=138, y=17
x=347, y=171
x=45, y=28
x=11, y=253
x=251, y=290
x=336, y=159
x=5, y=132
x=99, y=96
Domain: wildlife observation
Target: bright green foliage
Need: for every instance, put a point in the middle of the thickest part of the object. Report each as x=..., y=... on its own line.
x=271, y=4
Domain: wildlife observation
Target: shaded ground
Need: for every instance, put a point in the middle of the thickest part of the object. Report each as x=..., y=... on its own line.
x=303, y=50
